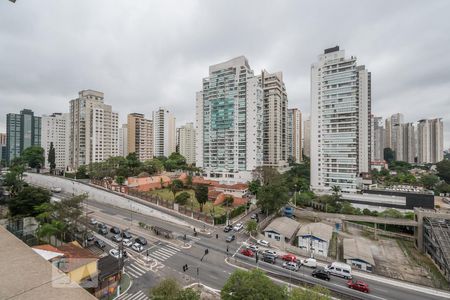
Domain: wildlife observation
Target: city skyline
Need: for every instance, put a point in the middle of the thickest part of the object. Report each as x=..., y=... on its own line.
x=172, y=75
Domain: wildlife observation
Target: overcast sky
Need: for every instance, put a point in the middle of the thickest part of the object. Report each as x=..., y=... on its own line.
x=146, y=54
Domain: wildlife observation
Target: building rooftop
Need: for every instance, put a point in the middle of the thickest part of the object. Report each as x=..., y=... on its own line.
x=319, y=230
x=29, y=276
x=284, y=226
x=357, y=249
x=107, y=266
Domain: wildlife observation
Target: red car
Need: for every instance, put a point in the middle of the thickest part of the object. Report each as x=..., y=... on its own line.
x=289, y=257
x=358, y=285
x=247, y=252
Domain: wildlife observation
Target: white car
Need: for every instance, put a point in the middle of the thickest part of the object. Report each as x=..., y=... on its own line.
x=137, y=247
x=271, y=253
x=238, y=227
x=93, y=221
x=290, y=266
x=254, y=248
x=309, y=262
x=56, y=189
x=263, y=243
x=127, y=242
x=114, y=253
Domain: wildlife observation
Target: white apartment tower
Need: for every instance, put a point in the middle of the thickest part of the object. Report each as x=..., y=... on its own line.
x=409, y=142
x=307, y=137
x=229, y=122
x=123, y=140
x=140, y=136
x=396, y=135
x=164, y=133
x=56, y=129
x=430, y=136
x=294, y=134
x=275, y=103
x=186, y=142
x=378, y=139
x=94, y=129
x=340, y=121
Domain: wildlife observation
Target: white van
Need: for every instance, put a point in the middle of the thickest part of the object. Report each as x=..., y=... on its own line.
x=309, y=262
x=339, y=269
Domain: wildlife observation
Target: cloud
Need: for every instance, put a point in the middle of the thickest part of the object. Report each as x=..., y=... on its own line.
x=147, y=54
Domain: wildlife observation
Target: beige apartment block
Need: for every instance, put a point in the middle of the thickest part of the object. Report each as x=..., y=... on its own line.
x=140, y=136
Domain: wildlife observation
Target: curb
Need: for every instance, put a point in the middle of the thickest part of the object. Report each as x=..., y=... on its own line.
x=131, y=283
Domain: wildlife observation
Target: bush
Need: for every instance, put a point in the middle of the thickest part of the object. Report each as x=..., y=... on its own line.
x=237, y=211
x=220, y=219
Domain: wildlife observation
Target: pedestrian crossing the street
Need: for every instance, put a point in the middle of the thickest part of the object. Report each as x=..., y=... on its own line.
x=140, y=295
x=164, y=252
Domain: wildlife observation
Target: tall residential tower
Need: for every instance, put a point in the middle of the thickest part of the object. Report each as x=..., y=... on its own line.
x=140, y=136
x=164, y=133
x=294, y=134
x=56, y=130
x=186, y=142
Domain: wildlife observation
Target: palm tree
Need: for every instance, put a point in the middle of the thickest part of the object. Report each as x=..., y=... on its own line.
x=336, y=192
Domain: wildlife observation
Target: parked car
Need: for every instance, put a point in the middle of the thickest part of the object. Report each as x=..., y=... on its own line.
x=321, y=274
x=289, y=257
x=309, y=262
x=101, y=225
x=114, y=253
x=100, y=243
x=90, y=237
x=115, y=230
x=358, y=285
x=254, y=217
x=290, y=266
x=127, y=242
x=254, y=248
x=271, y=253
x=56, y=189
x=127, y=235
x=141, y=241
x=103, y=231
x=137, y=247
x=116, y=238
x=227, y=228
x=230, y=238
x=269, y=259
x=247, y=252
x=238, y=226
x=93, y=221
x=339, y=269
x=263, y=243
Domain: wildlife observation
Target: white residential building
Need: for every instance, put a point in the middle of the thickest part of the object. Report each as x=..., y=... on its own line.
x=56, y=129
x=186, y=144
x=315, y=238
x=307, y=137
x=340, y=121
x=396, y=135
x=409, y=142
x=164, y=133
x=294, y=134
x=379, y=139
x=229, y=122
x=430, y=136
x=123, y=140
x=94, y=132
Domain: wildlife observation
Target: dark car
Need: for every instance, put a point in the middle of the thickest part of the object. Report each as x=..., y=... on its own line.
x=100, y=243
x=321, y=274
x=103, y=231
x=269, y=259
x=228, y=228
x=114, y=230
x=126, y=235
x=141, y=241
x=101, y=225
x=230, y=238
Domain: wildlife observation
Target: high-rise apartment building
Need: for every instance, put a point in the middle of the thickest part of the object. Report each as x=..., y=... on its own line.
x=164, y=133
x=140, y=136
x=378, y=139
x=94, y=133
x=396, y=135
x=430, y=136
x=294, y=134
x=307, y=138
x=275, y=103
x=229, y=122
x=123, y=140
x=2, y=147
x=186, y=142
x=340, y=121
x=22, y=131
x=56, y=130
x=409, y=142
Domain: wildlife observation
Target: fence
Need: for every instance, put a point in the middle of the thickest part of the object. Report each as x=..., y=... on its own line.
x=379, y=231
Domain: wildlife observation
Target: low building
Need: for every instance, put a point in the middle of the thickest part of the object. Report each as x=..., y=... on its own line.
x=109, y=275
x=281, y=229
x=28, y=276
x=315, y=238
x=358, y=255
x=145, y=183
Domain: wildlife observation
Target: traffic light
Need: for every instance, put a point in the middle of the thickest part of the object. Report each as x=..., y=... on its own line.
x=256, y=257
x=185, y=268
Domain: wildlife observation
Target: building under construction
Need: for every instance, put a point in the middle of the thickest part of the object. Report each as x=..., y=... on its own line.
x=436, y=238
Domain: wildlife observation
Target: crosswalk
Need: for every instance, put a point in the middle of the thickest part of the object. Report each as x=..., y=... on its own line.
x=135, y=296
x=164, y=252
x=136, y=270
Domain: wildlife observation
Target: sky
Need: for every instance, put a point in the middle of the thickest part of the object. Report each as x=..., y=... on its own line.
x=147, y=54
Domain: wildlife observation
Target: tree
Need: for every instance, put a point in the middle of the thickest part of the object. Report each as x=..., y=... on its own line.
x=336, y=192
x=253, y=285
x=13, y=182
x=182, y=198
x=254, y=186
x=347, y=208
x=201, y=194
x=391, y=213
x=315, y=293
x=81, y=172
x=429, y=181
x=120, y=180
x=251, y=226
x=34, y=156
x=176, y=161
x=133, y=163
x=443, y=169
x=169, y=289
x=228, y=201
x=266, y=174
x=388, y=155
x=51, y=158
x=273, y=196
x=24, y=203
x=176, y=186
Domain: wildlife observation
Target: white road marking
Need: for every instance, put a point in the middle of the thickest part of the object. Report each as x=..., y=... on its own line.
x=140, y=268
x=135, y=270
